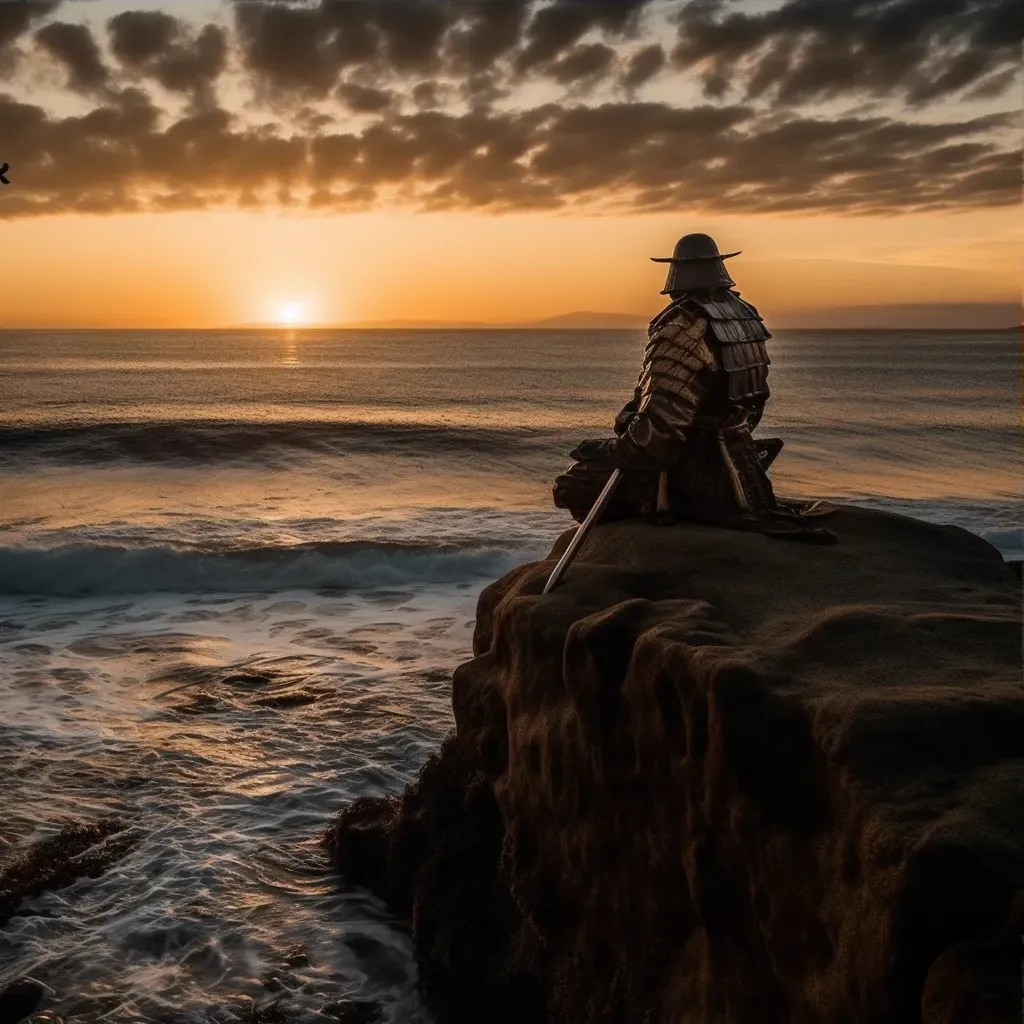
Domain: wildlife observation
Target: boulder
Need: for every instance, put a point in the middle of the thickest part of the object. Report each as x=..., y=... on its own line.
x=716, y=777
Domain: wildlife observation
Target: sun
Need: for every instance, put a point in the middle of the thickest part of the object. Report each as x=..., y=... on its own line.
x=291, y=314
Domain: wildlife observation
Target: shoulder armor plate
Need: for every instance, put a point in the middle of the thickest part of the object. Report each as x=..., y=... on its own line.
x=731, y=319
x=675, y=355
x=674, y=312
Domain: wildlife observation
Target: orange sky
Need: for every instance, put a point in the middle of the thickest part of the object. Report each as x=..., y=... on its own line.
x=595, y=148
x=208, y=269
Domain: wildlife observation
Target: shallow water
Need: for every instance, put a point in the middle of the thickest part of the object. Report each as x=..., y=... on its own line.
x=237, y=570
x=226, y=730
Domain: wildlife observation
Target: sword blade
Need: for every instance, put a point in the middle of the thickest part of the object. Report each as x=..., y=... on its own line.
x=581, y=532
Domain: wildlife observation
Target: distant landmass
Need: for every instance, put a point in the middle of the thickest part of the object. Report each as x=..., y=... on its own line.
x=951, y=316
x=954, y=316
x=586, y=320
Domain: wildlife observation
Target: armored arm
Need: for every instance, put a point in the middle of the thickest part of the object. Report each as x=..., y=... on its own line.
x=675, y=379
x=627, y=412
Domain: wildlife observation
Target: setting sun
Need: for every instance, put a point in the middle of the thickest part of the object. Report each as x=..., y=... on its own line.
x=290, y=314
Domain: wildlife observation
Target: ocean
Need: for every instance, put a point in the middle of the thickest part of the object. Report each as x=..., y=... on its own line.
x=237, y=570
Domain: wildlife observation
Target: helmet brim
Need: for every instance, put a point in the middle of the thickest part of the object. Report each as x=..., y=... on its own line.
x=693, y=259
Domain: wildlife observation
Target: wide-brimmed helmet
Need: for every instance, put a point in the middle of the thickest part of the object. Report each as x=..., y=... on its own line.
x=695, y=265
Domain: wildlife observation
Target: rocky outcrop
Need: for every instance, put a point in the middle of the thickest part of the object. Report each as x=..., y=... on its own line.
x=719, y=777
x=76, y=850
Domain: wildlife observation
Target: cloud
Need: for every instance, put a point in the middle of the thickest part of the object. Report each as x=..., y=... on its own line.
x=412, y=32
x=427, y=95
x=304, y=49
x=362, y=99
x=17, y=18
x=808, y=50
x=152, y=44
x=643, y=66
x=558, y=26
x=15, y=21
x=485, y=33
x=584, y=62
x=617, y=156
x=502, y=105
x=74, y=47
x=290, y=49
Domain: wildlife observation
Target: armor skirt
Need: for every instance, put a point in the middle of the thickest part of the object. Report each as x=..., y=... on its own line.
x=720, y=478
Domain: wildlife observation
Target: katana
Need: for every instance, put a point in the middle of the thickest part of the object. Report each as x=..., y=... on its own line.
x=581, y=532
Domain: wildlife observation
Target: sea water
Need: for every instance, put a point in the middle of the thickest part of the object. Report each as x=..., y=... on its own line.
x=237, y=570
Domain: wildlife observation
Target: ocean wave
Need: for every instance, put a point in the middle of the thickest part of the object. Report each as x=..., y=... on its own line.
x=190, y=442
x=76, y=570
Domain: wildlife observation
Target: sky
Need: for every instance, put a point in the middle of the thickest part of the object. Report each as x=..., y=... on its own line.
x=201, y=164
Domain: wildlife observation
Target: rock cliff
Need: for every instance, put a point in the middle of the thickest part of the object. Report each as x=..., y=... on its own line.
x=716, y=777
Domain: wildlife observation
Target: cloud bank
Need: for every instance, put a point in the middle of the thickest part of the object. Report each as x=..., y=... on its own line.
x=865, y=106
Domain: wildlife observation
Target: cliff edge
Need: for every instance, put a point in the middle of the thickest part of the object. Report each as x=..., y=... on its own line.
x=716, y=777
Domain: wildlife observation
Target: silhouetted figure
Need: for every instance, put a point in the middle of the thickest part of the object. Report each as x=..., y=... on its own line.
x=684, y=441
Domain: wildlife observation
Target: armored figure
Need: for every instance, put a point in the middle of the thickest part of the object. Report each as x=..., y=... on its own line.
x=684, y=441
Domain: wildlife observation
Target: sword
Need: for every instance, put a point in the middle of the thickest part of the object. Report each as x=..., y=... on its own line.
x=581, y=532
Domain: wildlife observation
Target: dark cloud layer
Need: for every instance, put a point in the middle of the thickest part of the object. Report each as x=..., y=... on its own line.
x=804, y=50
x=305, y=48
x=641, y=156
x=156, y=45
x=405, y=72
x=643, y=66
x=75, y=48
x=17, y=18
x=556, y=27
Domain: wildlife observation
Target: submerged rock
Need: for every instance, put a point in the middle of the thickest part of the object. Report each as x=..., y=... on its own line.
x=297, y=956
x=720, y=777
x=19, y=999
x=78, y=850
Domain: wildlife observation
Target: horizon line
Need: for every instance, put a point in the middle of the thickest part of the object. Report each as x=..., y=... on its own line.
x=299, y=328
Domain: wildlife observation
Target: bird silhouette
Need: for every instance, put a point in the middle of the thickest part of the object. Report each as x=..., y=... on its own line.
x=3, y=171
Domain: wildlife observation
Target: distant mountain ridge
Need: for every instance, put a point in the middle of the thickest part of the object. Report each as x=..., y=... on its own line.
x=948, y=316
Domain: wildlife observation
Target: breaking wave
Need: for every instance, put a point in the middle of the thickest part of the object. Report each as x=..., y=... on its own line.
x=77, y=570
x=206, y=441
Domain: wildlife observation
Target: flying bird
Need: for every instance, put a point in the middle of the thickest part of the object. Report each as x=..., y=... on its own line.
x=3, y=171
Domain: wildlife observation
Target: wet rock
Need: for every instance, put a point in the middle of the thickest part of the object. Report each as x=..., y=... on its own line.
x=276, y=980
x=717, y=777
x=297, y=956
x=354, y=1011
x=267, y=1013
x=78, y=850
x=246, y=679
x=1015, y=565
x=19, y=999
